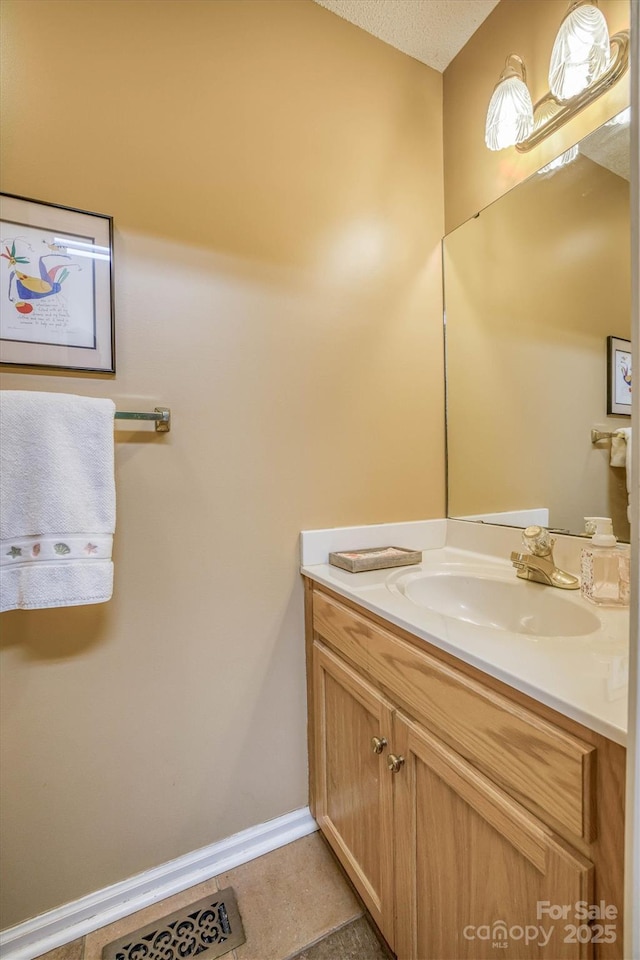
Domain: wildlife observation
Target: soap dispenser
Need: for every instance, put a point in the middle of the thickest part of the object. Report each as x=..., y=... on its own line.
x=604, y=566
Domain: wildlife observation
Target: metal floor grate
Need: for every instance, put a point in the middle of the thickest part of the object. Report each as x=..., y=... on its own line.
x=206, y=929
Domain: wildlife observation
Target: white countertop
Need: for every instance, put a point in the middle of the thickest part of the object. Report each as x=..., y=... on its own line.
x=582, y=677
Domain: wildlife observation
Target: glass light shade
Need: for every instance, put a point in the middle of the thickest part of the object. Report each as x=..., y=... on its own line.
x=562, y=161
x=510, y=114
x=581, y=52
x=622, y=119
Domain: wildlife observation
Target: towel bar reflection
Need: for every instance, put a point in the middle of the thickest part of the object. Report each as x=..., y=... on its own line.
x=161, y=416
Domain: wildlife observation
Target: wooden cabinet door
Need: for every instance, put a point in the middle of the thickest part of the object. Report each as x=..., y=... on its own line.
x=353, y=785
x=472, y=864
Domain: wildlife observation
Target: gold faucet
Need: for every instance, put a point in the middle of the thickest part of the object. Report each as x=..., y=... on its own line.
x=538, y=564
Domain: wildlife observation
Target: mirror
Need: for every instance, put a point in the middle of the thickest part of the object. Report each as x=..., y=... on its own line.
x=533, y=286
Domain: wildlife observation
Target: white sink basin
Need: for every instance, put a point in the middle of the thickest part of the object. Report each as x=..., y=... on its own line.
x=516, y=606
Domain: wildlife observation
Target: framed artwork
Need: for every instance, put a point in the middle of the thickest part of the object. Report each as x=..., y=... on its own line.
x=56, y=286
x=618, y=377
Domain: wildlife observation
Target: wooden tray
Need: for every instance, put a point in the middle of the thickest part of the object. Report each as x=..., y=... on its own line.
x=374, y=558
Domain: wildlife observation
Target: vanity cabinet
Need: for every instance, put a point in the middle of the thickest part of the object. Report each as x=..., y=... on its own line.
x=454, y=803
x=473, y=859
x=354, y=799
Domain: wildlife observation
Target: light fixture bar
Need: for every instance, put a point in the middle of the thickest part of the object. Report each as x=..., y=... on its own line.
x=560, y=112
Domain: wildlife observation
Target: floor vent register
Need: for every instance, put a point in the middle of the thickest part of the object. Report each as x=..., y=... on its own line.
x=206, y=929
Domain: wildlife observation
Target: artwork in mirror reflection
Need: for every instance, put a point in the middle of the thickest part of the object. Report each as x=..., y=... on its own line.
x=534, y=285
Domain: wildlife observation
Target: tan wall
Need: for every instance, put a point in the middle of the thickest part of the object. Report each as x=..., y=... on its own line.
x=533, y=287
x=474, y=175
x=275, y=175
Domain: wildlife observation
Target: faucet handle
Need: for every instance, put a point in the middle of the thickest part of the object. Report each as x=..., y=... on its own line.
x=538, y=541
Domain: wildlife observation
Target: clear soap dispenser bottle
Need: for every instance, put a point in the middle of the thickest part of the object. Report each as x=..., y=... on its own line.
x=604, y=566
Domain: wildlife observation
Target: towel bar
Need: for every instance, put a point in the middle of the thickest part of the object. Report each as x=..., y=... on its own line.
x=161, y=416
x=597, y=435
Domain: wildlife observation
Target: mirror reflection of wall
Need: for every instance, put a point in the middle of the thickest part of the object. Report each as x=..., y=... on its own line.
x=534, y=285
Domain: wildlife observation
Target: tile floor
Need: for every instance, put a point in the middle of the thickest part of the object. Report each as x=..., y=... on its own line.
x=295, y=905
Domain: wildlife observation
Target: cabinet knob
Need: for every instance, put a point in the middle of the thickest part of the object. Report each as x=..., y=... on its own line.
x=394, y=763
x=378, y=744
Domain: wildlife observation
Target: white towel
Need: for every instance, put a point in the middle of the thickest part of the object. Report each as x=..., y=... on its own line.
x=621, y=457
x=57, y=500
x=618, y=456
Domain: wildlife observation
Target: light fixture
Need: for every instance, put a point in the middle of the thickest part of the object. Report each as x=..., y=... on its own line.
x=581, y=52
x=584, y=64
x=510, y=113
x=622, y=119
x=562, y=161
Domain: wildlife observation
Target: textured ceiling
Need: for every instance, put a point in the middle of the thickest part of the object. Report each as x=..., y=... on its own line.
x=609, y=146
x=432, y=31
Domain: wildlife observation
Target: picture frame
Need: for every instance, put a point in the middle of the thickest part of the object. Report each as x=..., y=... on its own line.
x=56, y=287
x=619, y=372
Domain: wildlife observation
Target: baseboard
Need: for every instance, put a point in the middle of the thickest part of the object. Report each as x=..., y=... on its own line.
x=73, y=920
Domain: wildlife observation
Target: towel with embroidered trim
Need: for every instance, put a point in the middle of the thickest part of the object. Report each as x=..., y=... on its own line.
x=57, y=500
